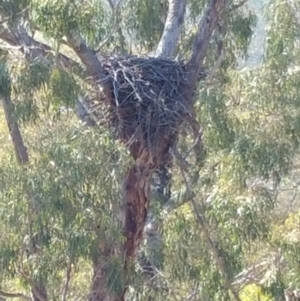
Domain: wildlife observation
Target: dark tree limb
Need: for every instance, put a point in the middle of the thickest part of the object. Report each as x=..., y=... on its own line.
x=86, y=54
x=201, y=43
x=14, y=131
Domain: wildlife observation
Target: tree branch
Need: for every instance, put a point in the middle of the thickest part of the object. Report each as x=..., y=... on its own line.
x=215, y=67
x=238, y=5
x=23, y=159
x=20, y=40
x=14, y=295
x=214, y=251
x=14, y=131
x=89, y=58
x=170, y=37
x=86, y=54
x=201, y=43
x=67, y=283
x=35, y=290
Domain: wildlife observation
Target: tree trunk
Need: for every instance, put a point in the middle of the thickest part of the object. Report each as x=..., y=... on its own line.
x=201, y=43
x=136, y=191
x=38, y=290
x=170, y=37
x=14, y=132
x=136, y=202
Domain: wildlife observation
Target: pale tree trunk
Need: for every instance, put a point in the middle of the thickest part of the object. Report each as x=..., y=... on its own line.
x=38, y=290
x=171, y=34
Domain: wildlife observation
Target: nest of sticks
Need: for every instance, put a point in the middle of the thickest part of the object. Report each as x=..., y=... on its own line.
x=147, y=104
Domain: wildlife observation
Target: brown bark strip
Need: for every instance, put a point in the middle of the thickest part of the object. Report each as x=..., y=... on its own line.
x=136, y=201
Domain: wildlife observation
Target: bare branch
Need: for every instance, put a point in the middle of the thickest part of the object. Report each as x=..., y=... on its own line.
x=14, y=295
x=170, y=37
x=90, y=60
x=201, y=43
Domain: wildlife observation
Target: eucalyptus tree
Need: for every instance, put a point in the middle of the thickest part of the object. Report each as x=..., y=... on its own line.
x=63, y=207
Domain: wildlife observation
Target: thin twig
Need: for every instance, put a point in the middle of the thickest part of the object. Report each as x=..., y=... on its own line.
x=67, y=283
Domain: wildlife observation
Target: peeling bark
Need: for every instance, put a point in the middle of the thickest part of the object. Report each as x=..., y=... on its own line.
x=171, y=34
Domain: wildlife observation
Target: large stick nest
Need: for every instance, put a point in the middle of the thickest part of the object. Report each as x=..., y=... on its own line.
x=147, y=104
